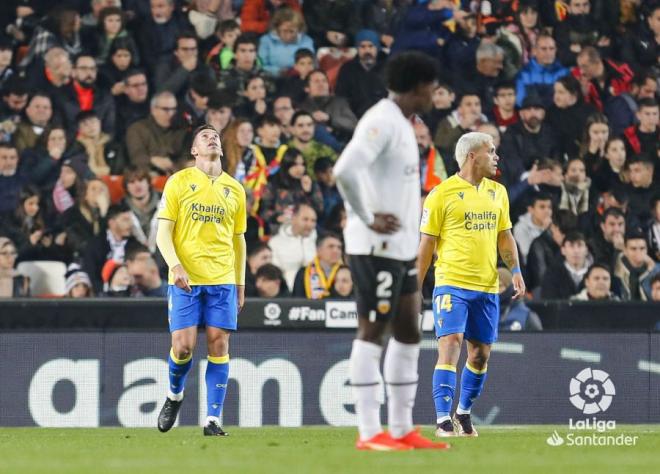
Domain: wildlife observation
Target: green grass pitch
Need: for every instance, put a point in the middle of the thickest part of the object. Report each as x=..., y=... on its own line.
x=274, y=450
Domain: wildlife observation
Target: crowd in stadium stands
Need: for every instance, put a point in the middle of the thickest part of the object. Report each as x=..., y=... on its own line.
x=99, y=98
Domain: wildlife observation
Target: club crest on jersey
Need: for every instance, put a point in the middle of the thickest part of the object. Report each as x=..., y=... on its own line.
x=226, y=191
x=193, y=187
x=491, y=192
x=383, y=307
x=460, y=195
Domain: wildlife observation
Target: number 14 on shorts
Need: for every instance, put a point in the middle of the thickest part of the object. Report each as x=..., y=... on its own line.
x=443, y=302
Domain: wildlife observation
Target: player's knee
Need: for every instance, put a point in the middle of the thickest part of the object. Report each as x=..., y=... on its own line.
x=478, y=359
x=181, y=351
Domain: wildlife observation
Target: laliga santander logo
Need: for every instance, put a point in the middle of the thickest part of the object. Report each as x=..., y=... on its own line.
x=592, y=391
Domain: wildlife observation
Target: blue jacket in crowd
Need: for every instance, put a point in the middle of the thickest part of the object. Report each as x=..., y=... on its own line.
x=540, y=79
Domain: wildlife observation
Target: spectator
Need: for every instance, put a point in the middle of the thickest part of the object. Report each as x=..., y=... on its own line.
x=77, y=284
x=278, y=47
x=644, y=137
x=329, y=110
x=524, y=31
x=12, y=179
x=6, y=55
x=195, y=103
x=93, y=18
x=288, y=188
x=541, y=72
x=328, y=185
x=269, y=283
x=60, y=28
x=564, y=278
x=641, y=45
x=608, y=174
x=258, y=256
x=156, y=142
x=597, y=283
x=642, y=187
x=38, y=114
x=14, y=100
x=486, y=73
x=255, y=102
x=532, y=224
x=655, y=288
x=142, y=200
x=343, y=285
x=432, y=168
x=360, y=80
x=159, y=32
x=84, y=220
x=575, y=189
x=218, y=111
x=41, y=164
x=330, y=23
x=83, y=94
x=316, y=280
x=237, y=144
x=175, y=73
x=504, y=111
x=52, y=73
x=577, y=31
x=601, y=79
x=527, y=141
x=114, y=71
x=546, y=249
x=243, y=67
x=102, y=155
x=70, y=183
x=568, y=115
x=110, y=244
x=622, y=109
x=653, y=226
x=293, y=82
x=221, y=54
x=443, y=103
x=302, y=130
x=382, y=17
x=111, y=29
x=133, y=104
x=146, y=280
x=545, y=176
x=203, y=16
x=283, y=110
x=256, y=14
x=635, y=268
x=464, y=119
x=294, y=245
x=12, y=284
x=116, y=280
x=606, y=245
x=592, y=145
x=515, y=315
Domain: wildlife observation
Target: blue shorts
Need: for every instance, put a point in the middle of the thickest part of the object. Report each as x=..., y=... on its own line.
x=475, y=314
x=209, y=305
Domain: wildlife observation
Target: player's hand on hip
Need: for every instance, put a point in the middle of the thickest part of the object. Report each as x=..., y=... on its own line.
x=385, y=223
x=518, y=286
x=240, y=292
x=181, y=278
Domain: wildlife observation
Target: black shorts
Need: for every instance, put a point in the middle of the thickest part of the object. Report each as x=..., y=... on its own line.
x=379, y=282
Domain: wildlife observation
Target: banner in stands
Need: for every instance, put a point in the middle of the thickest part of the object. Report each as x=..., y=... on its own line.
x=301, y=378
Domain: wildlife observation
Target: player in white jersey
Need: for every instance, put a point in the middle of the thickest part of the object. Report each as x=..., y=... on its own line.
x=378, y=176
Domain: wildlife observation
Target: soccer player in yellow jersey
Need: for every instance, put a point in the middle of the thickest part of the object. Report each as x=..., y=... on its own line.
x=466, y=221
x=202, y=219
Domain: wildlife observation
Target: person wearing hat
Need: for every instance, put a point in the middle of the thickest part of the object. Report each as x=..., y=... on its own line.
x=116, y=279
x=78, y=284
x=360, y=80
x=529, y=140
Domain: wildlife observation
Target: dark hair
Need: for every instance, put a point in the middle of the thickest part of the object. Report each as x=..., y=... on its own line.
x=323, y=236
x=254, y=77
x=257, y=248
x=186, y=35
x=227, y=25
x=298, y=206
x=85, y=114
x=245, y=38
x=200, y=129
x=266, y=119
x=612, y=211
x=642, y=158
x=654, y=201
x=540, y=196
x=572, y=85
x=573, y=236
x=656, y=278
x=202, y=84
x=634, y=234
x=109, y=11
x=620, y=194
x=15, y=86
x=133, y=173
x=122, y=42
x=407, y=70
x=29, y=191
x=300, y=113
x=322, y=164
x=303, y=53
x=38, y=94
x=640, y=79
x=8, y=146
x=505, y=85
x=133, y=250
x=646, y=102
x=445, y=86
x=270, y=272
x=220, y=99
x=596, y=265
x=284, y=179
x=548, y=164
x=42, y=141
x=565, y=220
x=315, y=71
x=134, y=72
x=115, y=210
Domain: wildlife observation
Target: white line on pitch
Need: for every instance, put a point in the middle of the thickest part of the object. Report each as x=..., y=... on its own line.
x=585, y=356
x=648, y=366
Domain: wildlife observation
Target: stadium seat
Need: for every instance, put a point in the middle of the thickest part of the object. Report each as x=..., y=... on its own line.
x=158, y=183
x=46, y=277
x=115, y=184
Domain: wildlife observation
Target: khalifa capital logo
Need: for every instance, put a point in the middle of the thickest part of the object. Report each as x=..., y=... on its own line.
x=592, y=391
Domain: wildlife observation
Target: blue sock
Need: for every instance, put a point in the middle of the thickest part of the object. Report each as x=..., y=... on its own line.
x=444, y=385
x=217, y=375
x=472, y=383
x=178, y=370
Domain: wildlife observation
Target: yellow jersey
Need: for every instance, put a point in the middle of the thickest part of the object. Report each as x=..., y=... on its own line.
x=207, y=213
x=466, y=219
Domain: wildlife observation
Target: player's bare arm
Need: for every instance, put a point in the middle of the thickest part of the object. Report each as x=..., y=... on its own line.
x=506, y=245
x=427, y=244
x=166, y=247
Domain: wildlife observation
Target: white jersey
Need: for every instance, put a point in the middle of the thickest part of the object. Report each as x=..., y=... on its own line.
x=378, y=172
